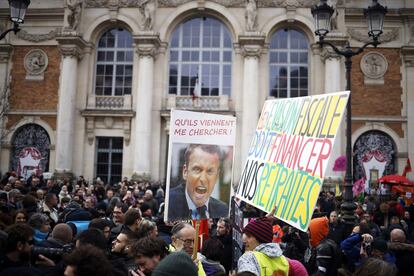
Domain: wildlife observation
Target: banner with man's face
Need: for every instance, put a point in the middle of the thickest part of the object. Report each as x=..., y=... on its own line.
x=288, y=156
x=200, y=164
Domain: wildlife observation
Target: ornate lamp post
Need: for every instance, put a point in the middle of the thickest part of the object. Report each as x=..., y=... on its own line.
x=375, y=15
x=17, y=12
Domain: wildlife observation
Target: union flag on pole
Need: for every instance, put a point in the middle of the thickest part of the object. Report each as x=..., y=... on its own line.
x=407, y=168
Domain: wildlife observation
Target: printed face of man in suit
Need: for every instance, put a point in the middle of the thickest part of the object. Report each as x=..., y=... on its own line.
x=201, y=175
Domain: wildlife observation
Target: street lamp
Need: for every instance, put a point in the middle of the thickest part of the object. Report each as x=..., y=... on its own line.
x=375, y=15
x=17, y=12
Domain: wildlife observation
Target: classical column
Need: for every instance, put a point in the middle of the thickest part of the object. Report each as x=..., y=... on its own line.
x=71, y=48
x=251, y=49
x=332, y=73
x=332, y=83
x=408, y=53
x=317, y=83
x=147, y=46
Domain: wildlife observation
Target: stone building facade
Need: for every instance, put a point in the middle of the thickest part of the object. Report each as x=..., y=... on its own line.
x=90, y=83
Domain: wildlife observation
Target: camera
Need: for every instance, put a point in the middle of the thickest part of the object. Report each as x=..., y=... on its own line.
x=367, y=247
x=51, y=252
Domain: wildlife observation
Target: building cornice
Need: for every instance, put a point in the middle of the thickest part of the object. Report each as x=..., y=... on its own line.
x=381, y=119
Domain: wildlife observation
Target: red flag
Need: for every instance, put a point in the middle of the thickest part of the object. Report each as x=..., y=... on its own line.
x=407, y=168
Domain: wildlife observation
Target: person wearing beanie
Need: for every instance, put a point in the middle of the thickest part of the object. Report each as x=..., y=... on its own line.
x=262, y=257
x=177, y=263
x=327, y=251
x=296, y=268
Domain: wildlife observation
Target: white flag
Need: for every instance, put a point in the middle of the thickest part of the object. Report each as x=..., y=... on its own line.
x=197, y=89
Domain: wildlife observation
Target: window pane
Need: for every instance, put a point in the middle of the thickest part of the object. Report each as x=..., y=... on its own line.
x=120, y=56
x=288, y=49
x=129, y=56
x=114, y=62
x=173, y=55
x=117, y=143
x=103, y=143
x=101, y=56
x=195, y=58
x=108, y=70
x=227, y=56
x=109, y=56
x=283, y=57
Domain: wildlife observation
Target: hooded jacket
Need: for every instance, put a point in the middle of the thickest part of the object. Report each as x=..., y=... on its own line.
x=249, y=263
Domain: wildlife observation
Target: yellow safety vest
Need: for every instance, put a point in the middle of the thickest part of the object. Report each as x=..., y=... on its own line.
x=277, y=266
x=200, y=269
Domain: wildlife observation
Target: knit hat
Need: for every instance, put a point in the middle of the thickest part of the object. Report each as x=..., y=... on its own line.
x=261, y=229
x=379, y=244
x=319, y=229
x=177, y=263
x=296, y=268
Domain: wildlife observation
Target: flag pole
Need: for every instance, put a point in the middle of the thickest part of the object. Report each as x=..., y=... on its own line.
x=195, y=248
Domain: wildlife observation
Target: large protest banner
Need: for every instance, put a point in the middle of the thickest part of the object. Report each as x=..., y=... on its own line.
x=288, y=156
x=200, y=164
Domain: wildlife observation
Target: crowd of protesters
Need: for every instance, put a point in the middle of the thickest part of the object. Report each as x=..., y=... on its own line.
x=50, y=227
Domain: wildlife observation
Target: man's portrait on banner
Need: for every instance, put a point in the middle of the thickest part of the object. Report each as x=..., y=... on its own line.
x=200, y=181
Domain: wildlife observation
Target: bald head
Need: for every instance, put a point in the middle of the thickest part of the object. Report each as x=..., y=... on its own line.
x=62, y=232
x=397, y=235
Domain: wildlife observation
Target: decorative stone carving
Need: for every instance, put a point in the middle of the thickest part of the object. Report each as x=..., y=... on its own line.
x=147, y=9
x=35, y=63
x=146, y=51
x=364, y=38
x=408, y=54
x=113, y=3
x=96, y=3
x=251, y=15
x=226, y=3
x=252, y=45
x=5, y=50
x=90, y=129
x=374, y=65
x=287, y=3
x=72, y=46
x=109, y=122
x=334, y=17
x=75, y=10
x=37, y=37
x=147, y=44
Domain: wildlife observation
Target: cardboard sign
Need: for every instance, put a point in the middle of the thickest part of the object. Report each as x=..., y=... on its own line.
x=289, y=155
x=200, y=164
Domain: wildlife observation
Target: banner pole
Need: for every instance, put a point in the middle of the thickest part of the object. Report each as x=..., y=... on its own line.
x=195, y=249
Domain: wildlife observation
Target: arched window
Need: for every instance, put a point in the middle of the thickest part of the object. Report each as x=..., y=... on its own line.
x=30, y=150
x=200, y=52
x=288, y=72
x=378, y=145
x=114, y=63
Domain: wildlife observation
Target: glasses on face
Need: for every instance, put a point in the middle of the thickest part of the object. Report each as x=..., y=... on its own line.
x=187, y=242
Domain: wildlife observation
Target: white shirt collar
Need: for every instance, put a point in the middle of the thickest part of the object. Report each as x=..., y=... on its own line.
x=193, y=207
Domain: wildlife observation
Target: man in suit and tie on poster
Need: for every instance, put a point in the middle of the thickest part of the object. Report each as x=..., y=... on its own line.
x=200, y=173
